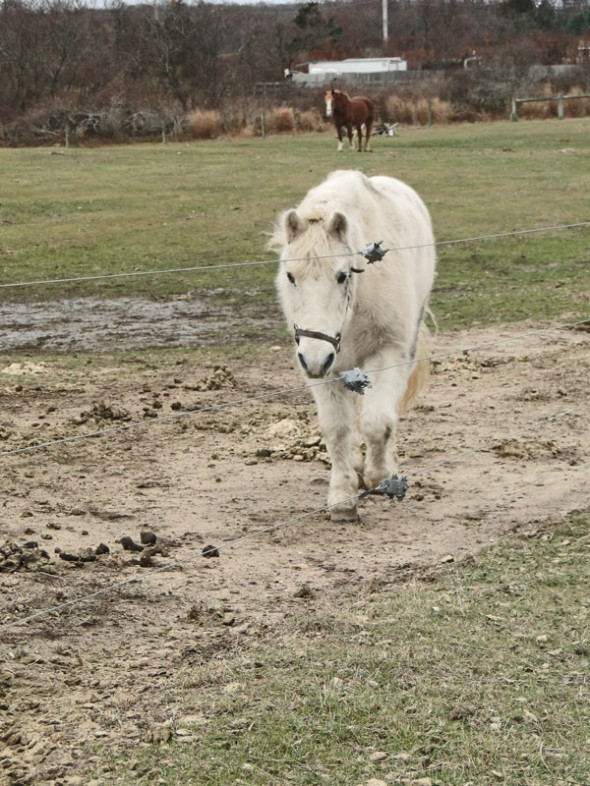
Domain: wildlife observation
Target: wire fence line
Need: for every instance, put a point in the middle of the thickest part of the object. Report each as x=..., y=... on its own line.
x=232, y=265
x=276, y=393
x=279, y=525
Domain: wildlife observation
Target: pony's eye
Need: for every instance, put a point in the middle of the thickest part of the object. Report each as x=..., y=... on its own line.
x=341, y=277
x=291, y=277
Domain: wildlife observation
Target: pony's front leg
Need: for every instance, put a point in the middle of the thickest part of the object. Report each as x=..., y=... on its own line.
x=379, y=416
x=336, y=408
x=339, y=130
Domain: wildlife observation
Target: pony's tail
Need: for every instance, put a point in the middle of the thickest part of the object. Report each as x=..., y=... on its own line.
x=421, y=373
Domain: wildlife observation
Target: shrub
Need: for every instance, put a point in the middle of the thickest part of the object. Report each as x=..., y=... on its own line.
x=310, y=120
x=414, y=111
x=580, y=107
x=280, y=120
x=205, y=124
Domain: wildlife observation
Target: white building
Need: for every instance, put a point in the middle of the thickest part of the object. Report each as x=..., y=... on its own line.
x=365, y=69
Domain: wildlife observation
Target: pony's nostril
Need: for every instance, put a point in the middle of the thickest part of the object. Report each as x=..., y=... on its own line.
x=301, y=359
x=328, y=363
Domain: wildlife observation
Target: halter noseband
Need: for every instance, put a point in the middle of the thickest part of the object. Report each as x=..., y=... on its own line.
x=334, y=340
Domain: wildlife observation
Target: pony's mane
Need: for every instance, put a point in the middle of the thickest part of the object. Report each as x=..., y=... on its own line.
x=338, y=193
x=314, y=248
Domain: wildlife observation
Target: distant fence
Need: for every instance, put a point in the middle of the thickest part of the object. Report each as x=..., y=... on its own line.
x=559, y=98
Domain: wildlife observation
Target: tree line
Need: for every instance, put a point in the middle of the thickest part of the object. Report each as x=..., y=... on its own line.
x=62, y=57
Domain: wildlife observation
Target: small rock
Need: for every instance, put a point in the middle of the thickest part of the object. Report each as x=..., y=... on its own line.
x=130, y=545
x=147, y=537
x=146, y=561
x=69, y=557
x=377, y=756
x=210, y=551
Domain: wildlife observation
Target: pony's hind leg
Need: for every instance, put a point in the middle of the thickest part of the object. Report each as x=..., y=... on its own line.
x=379, y=417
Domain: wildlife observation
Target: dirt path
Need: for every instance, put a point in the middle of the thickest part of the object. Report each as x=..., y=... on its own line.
x=108, y=669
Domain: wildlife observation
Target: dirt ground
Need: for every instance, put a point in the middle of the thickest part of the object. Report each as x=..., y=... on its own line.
x=108, y=671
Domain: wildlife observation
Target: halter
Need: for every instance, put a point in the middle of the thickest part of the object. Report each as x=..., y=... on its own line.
x=334, y=340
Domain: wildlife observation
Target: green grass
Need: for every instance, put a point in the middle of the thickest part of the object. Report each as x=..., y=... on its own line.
x=80, y=212
x=477, y=675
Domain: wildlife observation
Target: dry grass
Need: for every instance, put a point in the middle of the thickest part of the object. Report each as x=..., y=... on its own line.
x=580, y=107
x=280, y=120
x=540, y=110
x=205, y=124
x=310, y=121
x=408, y=110
x=412, y=111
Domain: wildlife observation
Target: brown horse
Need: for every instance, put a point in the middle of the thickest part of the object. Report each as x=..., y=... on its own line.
x=349, y=112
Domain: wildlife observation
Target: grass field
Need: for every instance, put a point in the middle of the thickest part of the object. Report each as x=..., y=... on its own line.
x=470, y=675
x=467, y=675
x=85, y=212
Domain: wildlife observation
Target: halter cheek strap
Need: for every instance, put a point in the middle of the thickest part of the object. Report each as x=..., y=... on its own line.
x=334, y=340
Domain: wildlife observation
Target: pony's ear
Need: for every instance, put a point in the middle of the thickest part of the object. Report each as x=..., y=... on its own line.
x=337, y=225
x=293, y=225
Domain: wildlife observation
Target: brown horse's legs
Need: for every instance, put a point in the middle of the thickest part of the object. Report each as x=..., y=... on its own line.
x=368, y=129
x=339, y=130
x=359, y=131
x=350, y=137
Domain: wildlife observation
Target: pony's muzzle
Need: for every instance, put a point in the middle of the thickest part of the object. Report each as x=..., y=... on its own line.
x=316, y=368
x=313, y=356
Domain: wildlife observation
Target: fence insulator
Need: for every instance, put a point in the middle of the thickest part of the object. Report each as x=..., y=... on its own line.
x=355, y=380
x=373, y=252
x=391, y=487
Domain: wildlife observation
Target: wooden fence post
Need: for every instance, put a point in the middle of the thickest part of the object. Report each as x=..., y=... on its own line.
x=513, y=111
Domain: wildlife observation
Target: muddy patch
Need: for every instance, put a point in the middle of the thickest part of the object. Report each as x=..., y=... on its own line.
x=92, y=325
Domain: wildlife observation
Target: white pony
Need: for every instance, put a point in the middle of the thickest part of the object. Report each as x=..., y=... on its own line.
x=347, y=313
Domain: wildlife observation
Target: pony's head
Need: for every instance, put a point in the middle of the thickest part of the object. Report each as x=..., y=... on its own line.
x=316, y=284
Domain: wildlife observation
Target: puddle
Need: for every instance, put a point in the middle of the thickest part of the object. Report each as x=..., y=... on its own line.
x=93, y=325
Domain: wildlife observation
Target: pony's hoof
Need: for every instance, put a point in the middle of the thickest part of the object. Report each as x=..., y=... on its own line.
x=344, y=514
